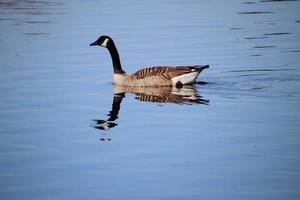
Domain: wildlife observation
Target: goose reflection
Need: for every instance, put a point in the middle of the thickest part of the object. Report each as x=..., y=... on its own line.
x=186, y=95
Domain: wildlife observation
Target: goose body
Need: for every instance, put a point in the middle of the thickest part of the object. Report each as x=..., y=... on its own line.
x=151, y=76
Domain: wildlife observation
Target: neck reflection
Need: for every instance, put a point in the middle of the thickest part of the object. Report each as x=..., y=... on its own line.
x=187, y=95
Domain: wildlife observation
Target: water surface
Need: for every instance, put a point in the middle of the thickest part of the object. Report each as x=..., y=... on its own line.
x=68, y=133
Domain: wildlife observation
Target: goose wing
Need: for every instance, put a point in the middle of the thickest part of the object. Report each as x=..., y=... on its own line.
x=167, y=72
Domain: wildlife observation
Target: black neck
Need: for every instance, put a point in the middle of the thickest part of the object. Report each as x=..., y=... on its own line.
x=115, y=58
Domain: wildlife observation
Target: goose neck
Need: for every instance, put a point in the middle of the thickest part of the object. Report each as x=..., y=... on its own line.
x=115, y=59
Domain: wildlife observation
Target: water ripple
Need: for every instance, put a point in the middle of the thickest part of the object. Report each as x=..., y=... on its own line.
x=255, y=12
x=257, y=37
x=264, y=46
x=278, y=33
x=264, y=1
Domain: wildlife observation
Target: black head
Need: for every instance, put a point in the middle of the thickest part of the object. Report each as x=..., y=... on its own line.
x=103, y=41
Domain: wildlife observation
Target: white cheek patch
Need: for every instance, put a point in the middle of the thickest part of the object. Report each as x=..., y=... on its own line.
x=104, y=43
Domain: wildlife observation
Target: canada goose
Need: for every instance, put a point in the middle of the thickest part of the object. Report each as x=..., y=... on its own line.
x=152, y=76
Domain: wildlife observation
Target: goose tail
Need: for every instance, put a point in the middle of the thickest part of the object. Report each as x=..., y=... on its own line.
x=199, y=68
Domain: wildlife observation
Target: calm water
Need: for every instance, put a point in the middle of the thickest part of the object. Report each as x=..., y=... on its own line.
x=67, y=133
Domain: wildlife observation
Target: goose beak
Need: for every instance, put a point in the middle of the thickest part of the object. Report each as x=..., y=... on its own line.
x=94, y=43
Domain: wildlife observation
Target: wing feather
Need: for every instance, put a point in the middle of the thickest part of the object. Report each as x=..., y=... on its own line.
x=165, y=72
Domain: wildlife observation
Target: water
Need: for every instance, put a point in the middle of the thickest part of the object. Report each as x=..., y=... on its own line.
x=236, y=137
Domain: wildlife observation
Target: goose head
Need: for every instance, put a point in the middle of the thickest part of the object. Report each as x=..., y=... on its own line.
x=103, y=41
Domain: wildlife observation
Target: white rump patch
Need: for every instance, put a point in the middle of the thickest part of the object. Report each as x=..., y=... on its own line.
x=185, y=78
x=104, y=43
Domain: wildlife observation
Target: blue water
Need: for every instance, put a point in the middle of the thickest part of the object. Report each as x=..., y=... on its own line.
x=235, y=137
